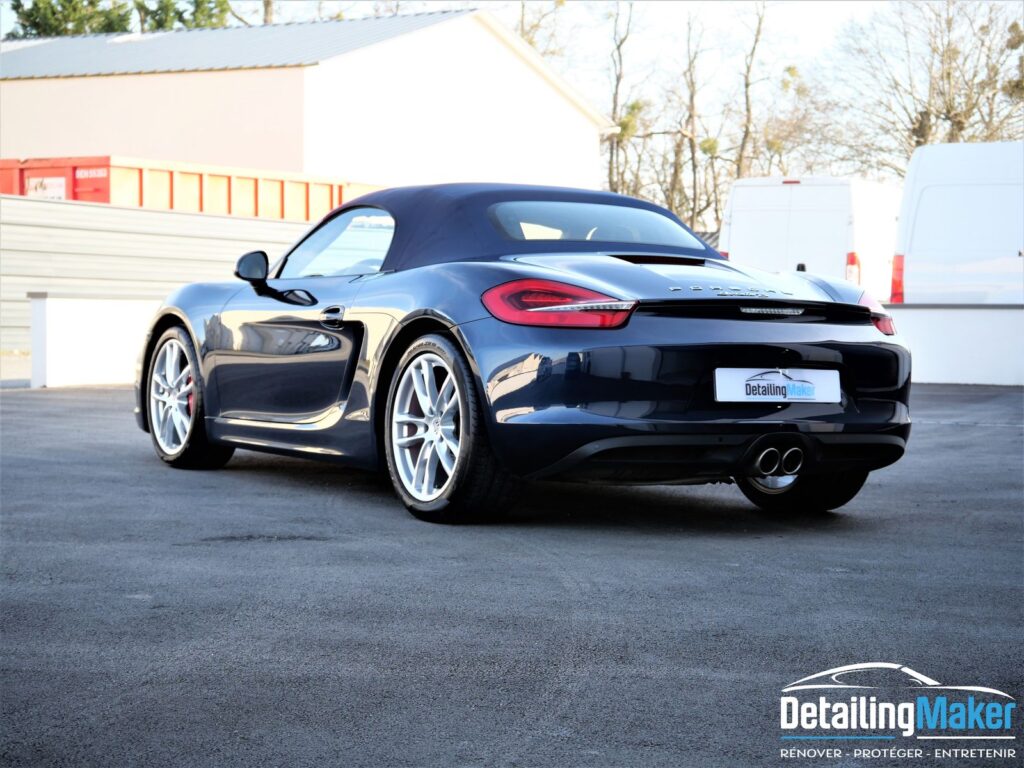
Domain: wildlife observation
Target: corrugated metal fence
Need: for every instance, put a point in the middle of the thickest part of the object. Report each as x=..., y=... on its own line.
x=101, y=250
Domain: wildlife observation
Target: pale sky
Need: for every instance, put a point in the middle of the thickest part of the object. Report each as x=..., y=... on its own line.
x=796, y=31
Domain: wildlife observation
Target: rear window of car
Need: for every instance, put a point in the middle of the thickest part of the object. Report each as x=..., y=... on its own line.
x=581, y=222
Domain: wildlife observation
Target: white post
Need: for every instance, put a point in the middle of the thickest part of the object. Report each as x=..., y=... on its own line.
x=38, y=336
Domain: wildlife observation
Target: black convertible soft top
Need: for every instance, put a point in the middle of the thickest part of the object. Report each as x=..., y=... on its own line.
x=450, y=222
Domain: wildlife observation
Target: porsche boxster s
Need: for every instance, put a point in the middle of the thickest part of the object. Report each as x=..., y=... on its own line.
x=465, y=337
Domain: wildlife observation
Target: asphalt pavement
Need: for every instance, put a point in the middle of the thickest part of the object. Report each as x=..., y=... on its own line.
x=290, y=613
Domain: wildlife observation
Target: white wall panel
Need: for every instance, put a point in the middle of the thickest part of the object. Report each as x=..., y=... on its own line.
x=104, y=251
x=966, y=344
x=249, y=118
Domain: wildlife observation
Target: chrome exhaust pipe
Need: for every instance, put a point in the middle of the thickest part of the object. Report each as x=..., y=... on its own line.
x=792, y=461
x=768, y=462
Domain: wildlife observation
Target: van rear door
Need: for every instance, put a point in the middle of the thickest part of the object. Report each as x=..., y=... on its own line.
x=759, y=230
x=779, y=225
x=820, y=218
x=965, y=245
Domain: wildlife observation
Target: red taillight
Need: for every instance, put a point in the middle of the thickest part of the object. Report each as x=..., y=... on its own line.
x=896, y=297
x=885, y=324
x=725, y=255
x=853, y=268
x=791, y=181
x=881, y=319
x=548, y=303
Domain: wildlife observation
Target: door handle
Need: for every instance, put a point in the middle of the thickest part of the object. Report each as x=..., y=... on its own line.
x=332, y=317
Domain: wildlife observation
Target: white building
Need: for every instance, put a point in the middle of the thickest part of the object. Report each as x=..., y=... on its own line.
x=435, y=97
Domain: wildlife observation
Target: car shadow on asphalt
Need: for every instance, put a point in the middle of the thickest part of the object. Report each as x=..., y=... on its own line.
x=678, y=508
x=697, y=509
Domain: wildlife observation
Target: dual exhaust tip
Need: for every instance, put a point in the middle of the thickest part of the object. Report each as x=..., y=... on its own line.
x=773, y=462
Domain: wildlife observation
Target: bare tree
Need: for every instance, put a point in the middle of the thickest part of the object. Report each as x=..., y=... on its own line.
x=538, y=25
x=743, y=150
x=798, y=127
x=327, y=10
x=1014, y=86
x=715, y=178
x=682, y=154
x=917, y=73
x=387, y=7
x=268, y=13
x=689, y=128
x=237, y=16
x=624, y=120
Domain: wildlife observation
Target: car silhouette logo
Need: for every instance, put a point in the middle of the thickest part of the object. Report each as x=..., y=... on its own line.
x=768, y=375
x=865, y=676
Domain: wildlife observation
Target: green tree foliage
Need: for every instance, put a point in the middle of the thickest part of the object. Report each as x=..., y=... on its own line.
x=53, y=18
x=1014, y=86
x=157, y=15
x=709, y=146
x=630, y=120
x=206, y=13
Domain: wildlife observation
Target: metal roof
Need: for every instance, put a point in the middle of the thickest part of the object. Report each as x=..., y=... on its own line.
x=197, y=50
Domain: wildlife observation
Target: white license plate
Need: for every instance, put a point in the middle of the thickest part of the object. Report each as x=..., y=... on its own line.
x=776, y=385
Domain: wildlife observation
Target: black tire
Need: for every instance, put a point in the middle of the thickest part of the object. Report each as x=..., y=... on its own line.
x=808, y=493
x=196, y=452
x=479, y=489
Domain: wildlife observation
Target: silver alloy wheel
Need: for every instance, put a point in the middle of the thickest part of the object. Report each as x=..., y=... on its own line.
x=171, y=397
x=773, y=483
x=426, y=427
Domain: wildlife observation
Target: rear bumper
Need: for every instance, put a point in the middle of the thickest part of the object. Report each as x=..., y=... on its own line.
x=637, y=404
x=699, y=458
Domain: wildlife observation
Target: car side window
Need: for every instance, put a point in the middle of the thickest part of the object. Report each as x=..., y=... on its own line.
x=352, y=243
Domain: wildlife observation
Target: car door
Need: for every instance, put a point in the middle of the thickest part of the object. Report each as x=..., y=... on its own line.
x=284, y=352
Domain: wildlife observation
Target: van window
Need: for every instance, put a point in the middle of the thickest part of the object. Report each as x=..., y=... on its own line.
x=954, y=222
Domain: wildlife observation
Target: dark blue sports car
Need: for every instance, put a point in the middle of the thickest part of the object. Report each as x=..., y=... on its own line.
x=468, y=336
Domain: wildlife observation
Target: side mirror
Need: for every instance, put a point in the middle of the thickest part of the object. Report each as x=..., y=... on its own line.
x=253, y=267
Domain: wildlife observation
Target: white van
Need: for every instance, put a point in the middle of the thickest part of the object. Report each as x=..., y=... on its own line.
x=961, y=229
x=833, y=227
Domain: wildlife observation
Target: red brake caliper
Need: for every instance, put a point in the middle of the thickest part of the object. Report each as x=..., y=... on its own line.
x=191, y=397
